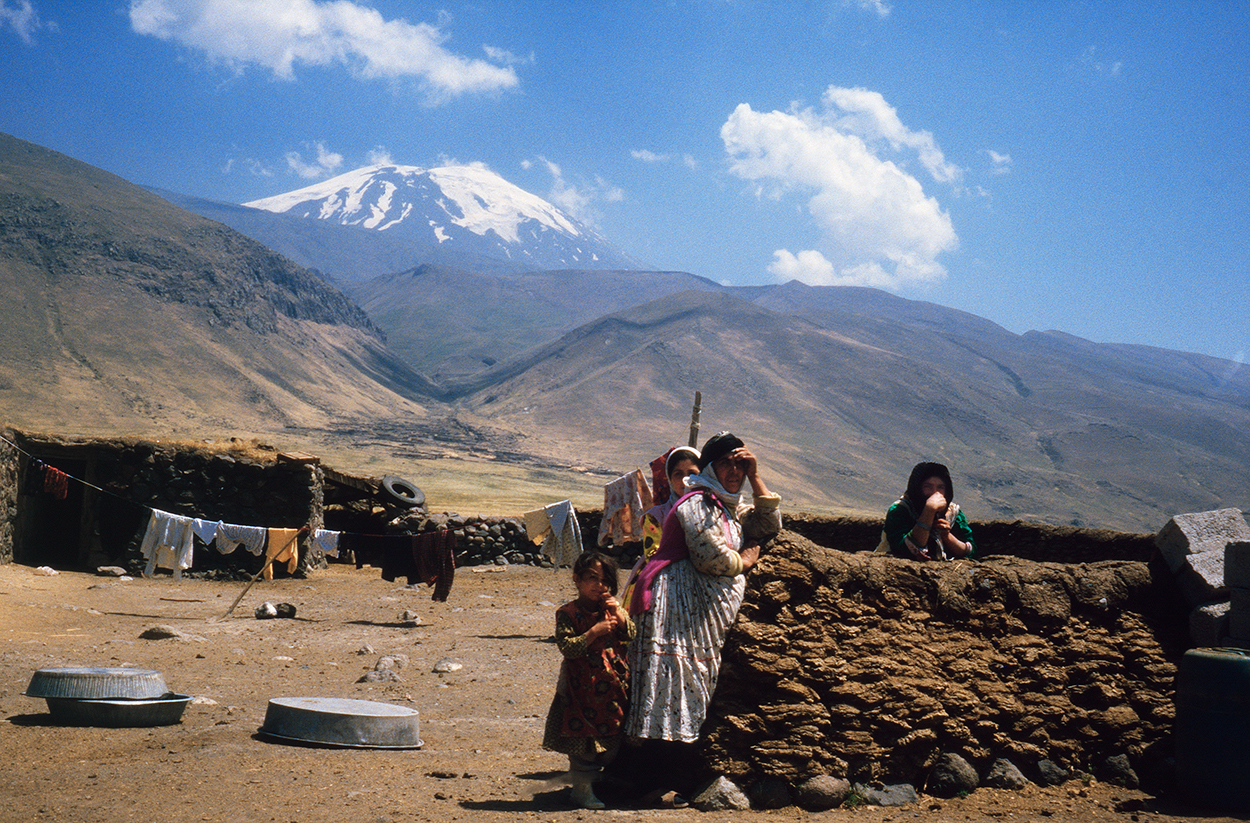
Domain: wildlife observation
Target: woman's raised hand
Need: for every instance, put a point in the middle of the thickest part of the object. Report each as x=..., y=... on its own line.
x=750, y=556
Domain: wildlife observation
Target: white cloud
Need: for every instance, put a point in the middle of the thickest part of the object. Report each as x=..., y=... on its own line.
x=999, y=163
x=867, y=114
x=877, y=225
x=327, y=162
x=379, y=156
x=1089, y=58
x=579, y=200
x=879, y=7
x=648, y=156
x=23, y=19
x=278, y=34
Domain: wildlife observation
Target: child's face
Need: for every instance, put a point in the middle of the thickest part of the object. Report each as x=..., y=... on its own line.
x=590, y=585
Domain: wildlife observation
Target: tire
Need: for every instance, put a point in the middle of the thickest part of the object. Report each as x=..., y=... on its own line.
x=403, y=492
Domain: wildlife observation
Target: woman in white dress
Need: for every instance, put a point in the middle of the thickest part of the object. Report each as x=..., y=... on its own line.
x=689, y=592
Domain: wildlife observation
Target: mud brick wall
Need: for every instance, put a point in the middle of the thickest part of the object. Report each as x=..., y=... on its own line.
x=870, y=667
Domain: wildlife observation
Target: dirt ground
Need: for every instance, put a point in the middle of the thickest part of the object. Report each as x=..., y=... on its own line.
x=481, y=724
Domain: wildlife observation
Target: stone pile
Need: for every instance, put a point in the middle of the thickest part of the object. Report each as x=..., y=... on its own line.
x=1204, y=550
x=873, y=668
x=481, y=540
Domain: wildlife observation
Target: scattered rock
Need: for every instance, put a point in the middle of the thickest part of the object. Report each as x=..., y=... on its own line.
x=266, y=611
x=822, y=792
x=168, y=633
x=381, y=676
x=951, y=775
x=285, y=610
x=203, y=701
x=365, y=649
x=1117, y=770
x=46, y=571
x=771, y=793
x=720, y=795
x=393, y=662
x=899, y=794
x=110, y=571
x=1004, y=775
x=448, y=664
x=410, y=618
x=1050, y=773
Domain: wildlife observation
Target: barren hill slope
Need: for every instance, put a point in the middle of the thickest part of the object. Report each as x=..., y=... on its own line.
x=123, y=312
x=840, y=409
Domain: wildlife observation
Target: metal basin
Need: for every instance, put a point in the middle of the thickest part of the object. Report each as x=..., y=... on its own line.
x=97, y=683
x=330, y=721
x=161, y=711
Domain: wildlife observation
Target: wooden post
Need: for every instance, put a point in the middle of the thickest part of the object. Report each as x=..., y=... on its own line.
x=694, y=420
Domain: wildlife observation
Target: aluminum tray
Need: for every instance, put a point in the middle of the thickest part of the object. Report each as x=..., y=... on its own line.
x=330, y=721
x=97, y=683
x=161, y=711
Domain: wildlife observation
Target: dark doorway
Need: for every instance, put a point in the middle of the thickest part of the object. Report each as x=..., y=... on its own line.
x=50, y=530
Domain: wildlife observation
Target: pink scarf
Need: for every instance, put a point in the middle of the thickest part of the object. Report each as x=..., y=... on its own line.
x=672, y=548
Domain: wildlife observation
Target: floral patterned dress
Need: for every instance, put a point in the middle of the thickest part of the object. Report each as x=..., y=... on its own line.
x=588, y=713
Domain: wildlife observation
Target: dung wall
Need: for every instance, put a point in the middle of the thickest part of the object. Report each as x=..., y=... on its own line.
x=870, y=667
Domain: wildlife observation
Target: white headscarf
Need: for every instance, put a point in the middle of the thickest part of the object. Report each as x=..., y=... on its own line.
x=707, y=479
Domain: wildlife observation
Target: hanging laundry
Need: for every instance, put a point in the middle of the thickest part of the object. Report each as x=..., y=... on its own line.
x=435, y=557
x=283, y=546
x=625, y=500
x=327, y=541
x=32, y=480
x=660, y=488
x=230, y=536
x=56, y=482
x=429, y=557
x=167, y=543
x=206, y=530
x=557, y=527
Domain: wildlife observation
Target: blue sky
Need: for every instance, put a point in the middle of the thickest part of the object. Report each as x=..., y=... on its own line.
x=1080, y=166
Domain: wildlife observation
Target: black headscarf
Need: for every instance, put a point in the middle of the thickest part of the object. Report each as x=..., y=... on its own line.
x=922, y=472
x=716, y=447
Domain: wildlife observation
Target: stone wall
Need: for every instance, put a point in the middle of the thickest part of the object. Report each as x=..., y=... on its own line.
x=1032, y=541
x=9, y=460
x=870, y=667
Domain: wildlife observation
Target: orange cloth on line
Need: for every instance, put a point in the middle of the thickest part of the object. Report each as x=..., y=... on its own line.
x=283, y=545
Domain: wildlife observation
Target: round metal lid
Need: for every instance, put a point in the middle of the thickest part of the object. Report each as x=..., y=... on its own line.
x=333, y=721
x=97, y=682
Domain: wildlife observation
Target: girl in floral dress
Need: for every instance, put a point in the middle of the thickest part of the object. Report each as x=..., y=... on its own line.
x=587, y=716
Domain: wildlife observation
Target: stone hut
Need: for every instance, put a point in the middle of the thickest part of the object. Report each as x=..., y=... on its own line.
x=100, y=519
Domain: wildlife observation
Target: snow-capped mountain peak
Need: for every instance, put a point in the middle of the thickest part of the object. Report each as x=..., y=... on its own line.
x=465, y=206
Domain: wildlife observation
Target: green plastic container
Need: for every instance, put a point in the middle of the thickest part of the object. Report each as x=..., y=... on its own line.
x=1213, y=727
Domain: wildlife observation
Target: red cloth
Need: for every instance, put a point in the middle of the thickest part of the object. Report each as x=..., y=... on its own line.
x=56, y=482
x=660, y=489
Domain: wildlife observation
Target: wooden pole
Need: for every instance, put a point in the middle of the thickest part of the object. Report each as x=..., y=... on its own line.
x=269, y=558
x=694, y=420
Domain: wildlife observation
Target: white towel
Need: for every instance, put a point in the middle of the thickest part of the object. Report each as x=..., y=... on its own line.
x=327, y=541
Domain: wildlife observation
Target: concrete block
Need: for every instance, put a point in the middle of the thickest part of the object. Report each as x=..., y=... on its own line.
x=1201, y=578
x=1207, y=624
x=1237, y=565
x=1198, y=532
